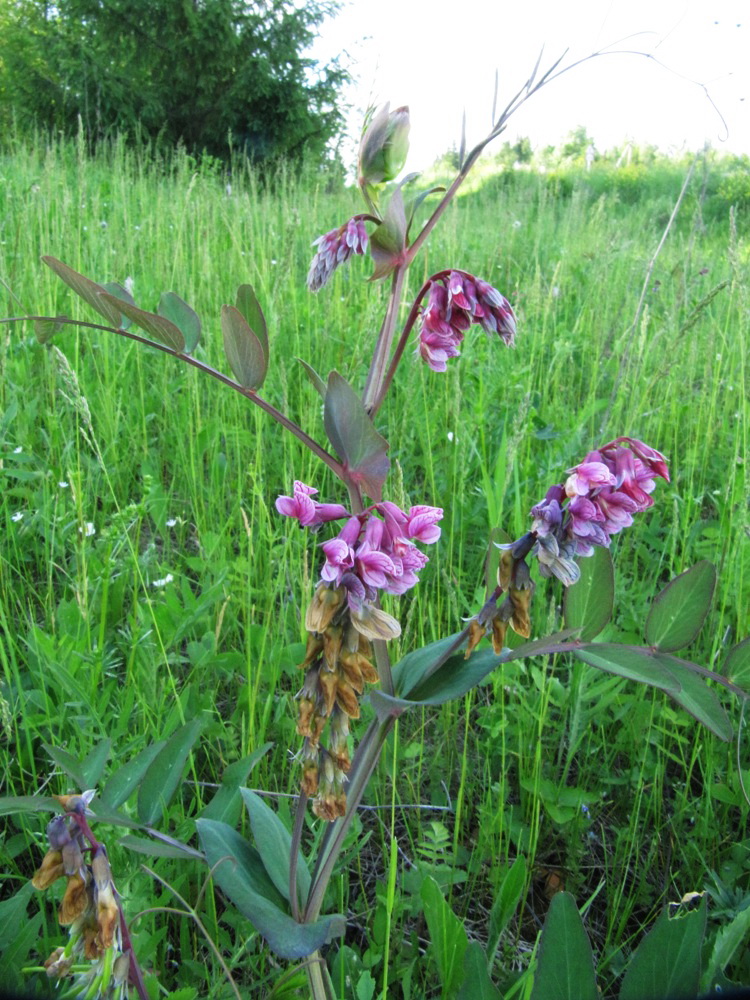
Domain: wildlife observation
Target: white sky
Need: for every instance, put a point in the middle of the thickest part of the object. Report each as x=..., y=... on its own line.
x=440, y=58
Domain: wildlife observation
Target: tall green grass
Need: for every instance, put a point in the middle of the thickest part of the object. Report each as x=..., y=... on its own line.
x=178, y=478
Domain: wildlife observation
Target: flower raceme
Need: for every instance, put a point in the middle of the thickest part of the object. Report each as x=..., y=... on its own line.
x=374, y=551
x=597, y=500
x=455, y=301
x=335, y=248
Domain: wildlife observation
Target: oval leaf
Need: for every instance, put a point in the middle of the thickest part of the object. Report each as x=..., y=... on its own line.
x=352, y=433
x=155, y=849
x=678, y=613
x=565, y=968
x=121, y=293
x=477, y=984
x=45, y=329
x=634, y=662
x=162, y=330
x=316, y=380
x=243, y=349
x=88, y=290
x=247, y=304
x=507, y=898
x=696, y=697
x=667, y=962
x=226, y=805
x=124, y=781
x=10, y=804
x=274, y=843
x=588, y=603
x=174, y=309
x=737, y=665
x=447, y=934
x=165, y=772
x=242, y=877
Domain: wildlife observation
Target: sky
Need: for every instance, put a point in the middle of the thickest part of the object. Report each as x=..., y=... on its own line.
x=441, y=58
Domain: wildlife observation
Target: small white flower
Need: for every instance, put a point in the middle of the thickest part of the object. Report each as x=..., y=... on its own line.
x=63, y=485
x=18, y=516
x=103, y=223
x=18, y=450
x=137, y=228
x=87, y=530
x=159, y=584
x=555, y=292
x=129, y=285
x=718, y=357
x=228, y=190
x=274, y=262
x=517, y=224
x=450, y=435
x=171, y=522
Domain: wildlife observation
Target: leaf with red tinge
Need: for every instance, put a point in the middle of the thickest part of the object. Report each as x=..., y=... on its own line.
x=121, y=293
x=88, y=290
x=243, y=349
x=247, y=303
x=173, y=308
x=162, y=330
x=388, y=242
x=45, y=329
x=316, y=380
x=678, y=612
x=352, y=433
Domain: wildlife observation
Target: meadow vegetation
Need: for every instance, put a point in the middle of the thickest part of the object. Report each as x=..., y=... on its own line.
x=146, y=579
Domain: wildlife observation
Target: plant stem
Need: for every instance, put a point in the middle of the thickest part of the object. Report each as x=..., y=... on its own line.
x=269, y=408
x=385, y=339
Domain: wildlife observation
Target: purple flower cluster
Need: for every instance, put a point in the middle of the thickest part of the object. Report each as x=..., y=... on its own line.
x=375, y=550
x=455, y=302
x=601, y=495
x=336, y=248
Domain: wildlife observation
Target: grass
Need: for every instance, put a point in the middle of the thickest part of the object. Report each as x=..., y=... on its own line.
x=604, y=786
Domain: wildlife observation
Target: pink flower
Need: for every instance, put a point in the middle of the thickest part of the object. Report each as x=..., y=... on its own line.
x=600, y=495
x=334, y=249
x=455, y=301
x=307, y=511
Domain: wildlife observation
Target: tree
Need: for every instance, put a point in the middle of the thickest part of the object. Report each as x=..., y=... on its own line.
x=183, y=71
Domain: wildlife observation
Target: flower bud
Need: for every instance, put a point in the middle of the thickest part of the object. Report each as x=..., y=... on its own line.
x=384, y=146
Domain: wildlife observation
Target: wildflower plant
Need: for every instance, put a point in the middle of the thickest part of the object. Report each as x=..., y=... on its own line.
x=368, y=546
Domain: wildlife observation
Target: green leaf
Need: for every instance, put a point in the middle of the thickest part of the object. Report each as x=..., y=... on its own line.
x=634, y=662
x=565, y=968
x=667, y=962
x=696, y=697
x=243, y=349
x=678, y=612
x=388, y=241
x=162, y=330
x=45, y=329
x=13, y=914
x=477, y=984
x=126, y=779
x=737, y=664
x=506, y=902
x=164, y=773
x=729, y=939
x=156, y=848
x=88, y=290
x=274, y=843
x=247, y=304
x=588, y=604
x=352, y=433
x=555, y=643
x=116, y=289
x=410, y=670
x=244, y=880
x=447, y=934
x=452, y=680
x=92, y=766
x=316, y=380
x=13, y=957
x=226, y=805
x=179, y=313
x=69, y=764
x=417, y=201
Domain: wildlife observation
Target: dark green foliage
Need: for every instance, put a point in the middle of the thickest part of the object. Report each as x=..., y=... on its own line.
x=215, y=76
